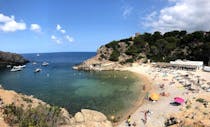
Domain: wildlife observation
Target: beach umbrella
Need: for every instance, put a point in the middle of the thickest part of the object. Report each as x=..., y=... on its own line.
x=154, y=96
x=179, y=100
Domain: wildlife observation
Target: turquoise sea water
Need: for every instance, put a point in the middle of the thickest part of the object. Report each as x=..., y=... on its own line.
x=58, y=84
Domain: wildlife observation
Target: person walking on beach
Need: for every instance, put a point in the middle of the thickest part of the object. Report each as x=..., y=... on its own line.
x=129, y=120
x=145, y=117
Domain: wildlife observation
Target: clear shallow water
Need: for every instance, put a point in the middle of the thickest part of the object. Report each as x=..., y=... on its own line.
x=109, y=92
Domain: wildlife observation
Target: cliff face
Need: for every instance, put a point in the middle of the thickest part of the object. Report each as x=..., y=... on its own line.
x=7, y=58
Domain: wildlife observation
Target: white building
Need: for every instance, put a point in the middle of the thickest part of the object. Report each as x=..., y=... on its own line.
x=198, y=64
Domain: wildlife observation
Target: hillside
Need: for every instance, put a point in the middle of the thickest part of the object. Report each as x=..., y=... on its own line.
x=155, y=47
x=7, y=58
x=159, y=47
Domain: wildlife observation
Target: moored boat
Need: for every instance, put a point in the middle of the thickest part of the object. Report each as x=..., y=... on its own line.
x=37, y=70
x=16, y=68
x=45, y=64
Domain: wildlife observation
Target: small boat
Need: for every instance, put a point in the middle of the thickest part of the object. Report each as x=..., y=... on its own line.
x=37, y=54
x=34, y=63
x=37, y=70
x=9, y=66
x=23, y=66
x=45, y=64
x=16, y=68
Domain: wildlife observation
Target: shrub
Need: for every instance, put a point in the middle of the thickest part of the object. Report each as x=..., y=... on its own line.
x=131, y=60
x=112, y=45
x=27, y=100
x=201, y=100
x=41, y=116
x=114, y=56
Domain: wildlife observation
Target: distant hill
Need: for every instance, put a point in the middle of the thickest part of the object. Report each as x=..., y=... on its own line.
x=158, y=47
x=7, y=58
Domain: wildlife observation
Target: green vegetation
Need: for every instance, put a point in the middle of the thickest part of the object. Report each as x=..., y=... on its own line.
x=165, y=47
x=112, y=44
x=201, y=100
x=27, y=100
x=115, y=55
x=41, y=116
x=188, y=107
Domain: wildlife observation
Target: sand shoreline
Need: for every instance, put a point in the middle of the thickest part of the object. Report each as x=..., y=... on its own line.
x=161, y=109
x=140, y=101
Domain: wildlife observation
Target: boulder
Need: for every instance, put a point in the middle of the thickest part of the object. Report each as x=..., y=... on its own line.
x=79, y=117
x=90, y=115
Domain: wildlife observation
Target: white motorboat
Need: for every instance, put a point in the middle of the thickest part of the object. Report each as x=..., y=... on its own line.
x=16, y=68
x=37, y=54
x=45, y=64
x=34, y=63
x=37, y=70
x=23, y=66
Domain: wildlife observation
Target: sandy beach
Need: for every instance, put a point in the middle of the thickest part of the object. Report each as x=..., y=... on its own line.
x=174, y=82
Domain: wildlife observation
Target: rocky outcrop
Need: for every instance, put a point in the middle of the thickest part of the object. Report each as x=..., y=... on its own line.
x=12, y=59
x=94, y=64
x=102, y=59
x=89, y=118
x=112, y=56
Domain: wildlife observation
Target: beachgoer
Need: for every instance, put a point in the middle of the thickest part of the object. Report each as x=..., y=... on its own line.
x=147, y=96
x=162, y=86
x=129, y=120
x=144, y=87
x=145, y=117
x=134, y=124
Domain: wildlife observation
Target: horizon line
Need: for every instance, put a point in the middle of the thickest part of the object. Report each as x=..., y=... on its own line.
x=61, y=52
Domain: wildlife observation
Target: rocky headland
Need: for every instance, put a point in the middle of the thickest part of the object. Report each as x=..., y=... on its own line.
x=7, y=58
x=149, y=47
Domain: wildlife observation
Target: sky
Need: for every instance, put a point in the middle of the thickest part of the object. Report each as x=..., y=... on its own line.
x=37, y=26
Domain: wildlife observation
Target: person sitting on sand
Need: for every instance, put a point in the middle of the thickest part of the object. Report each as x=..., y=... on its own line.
x=162, y=86
x=134, y=124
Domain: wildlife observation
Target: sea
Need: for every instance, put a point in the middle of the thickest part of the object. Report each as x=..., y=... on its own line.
x=110, y=92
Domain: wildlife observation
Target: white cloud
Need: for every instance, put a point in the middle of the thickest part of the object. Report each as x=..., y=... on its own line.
x=58, y=27
x=63, y=31
x=35, y=28
x=127, y=11
x=55, y=39
x=63, y=36
x=69, y=39
x=190, y=15
x=8, y=24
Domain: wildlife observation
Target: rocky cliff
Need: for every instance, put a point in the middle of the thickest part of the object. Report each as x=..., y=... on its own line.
x=7, y=58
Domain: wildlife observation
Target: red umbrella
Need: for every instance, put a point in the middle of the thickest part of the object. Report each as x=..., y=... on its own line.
x=179, y=100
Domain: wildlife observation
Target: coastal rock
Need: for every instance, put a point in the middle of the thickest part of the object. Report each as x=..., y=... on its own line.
x=79, y=117
x=89, y=118
x=91, y=115
x=13, y=59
